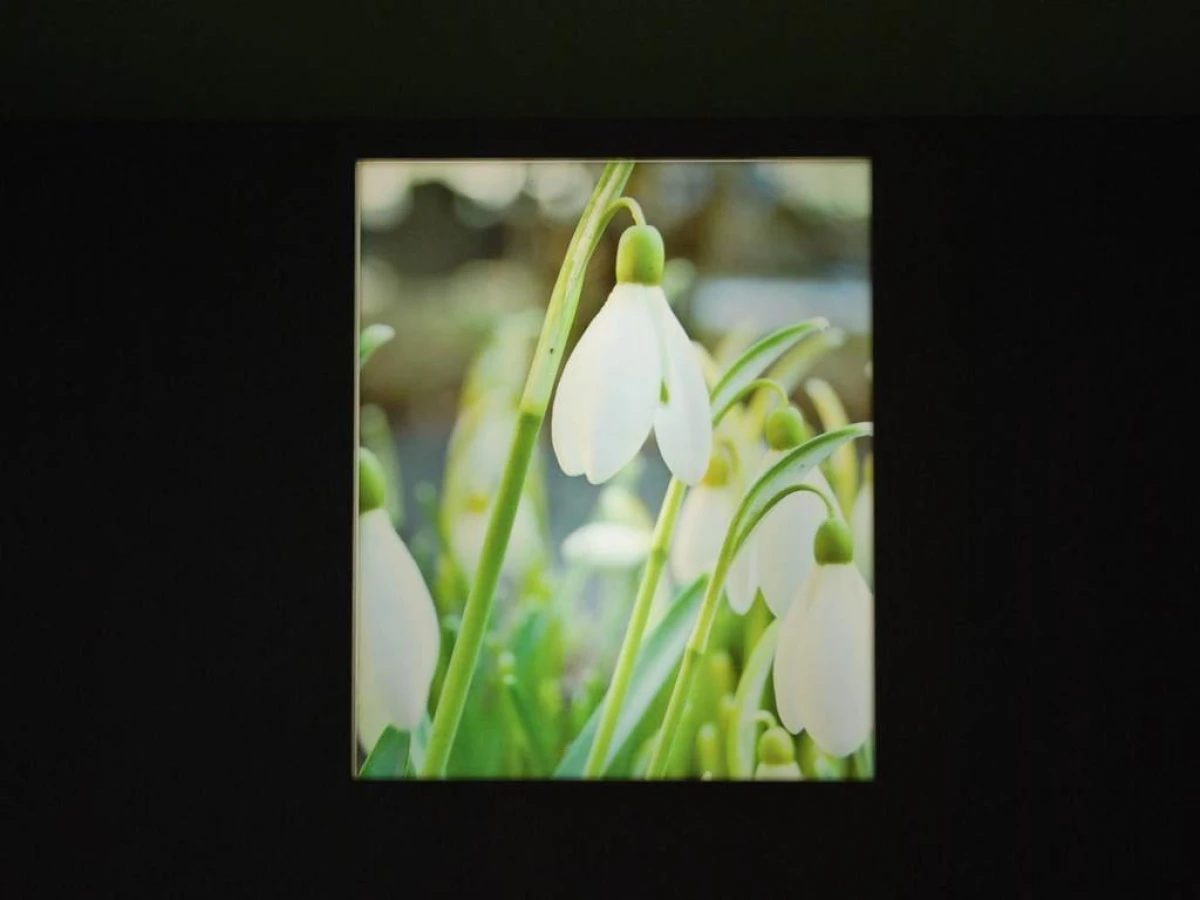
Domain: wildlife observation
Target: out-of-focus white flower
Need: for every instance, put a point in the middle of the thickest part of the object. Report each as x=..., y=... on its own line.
x=704, y=519
x=607, y=546
x=468, y=529
x=474, y=469
x=397, y=638
x=824, y=664
x=633, y=370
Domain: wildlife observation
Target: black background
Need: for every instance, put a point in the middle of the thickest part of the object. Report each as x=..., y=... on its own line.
x=191, y=586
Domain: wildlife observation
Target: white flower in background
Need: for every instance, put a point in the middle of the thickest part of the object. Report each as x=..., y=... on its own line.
x=824, y=665
x=862, y=520
x=474, y=469
x=780, y=542
x=468, y=531
x=633, y=370
x=704, y=519
x=607, y=546
x=397, y=640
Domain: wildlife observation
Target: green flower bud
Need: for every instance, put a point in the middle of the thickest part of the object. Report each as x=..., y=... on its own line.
x=775, y=748
x=371, y=481
x=833, y=544
x=640, y=256
x=785, y=428
x=785, y=772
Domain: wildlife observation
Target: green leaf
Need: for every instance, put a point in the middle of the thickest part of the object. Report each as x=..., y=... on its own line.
x=748, y=701
x=372, y=338
x=389, y=756
x=751, y=364
x=658, y=658
x=786, y=474
x=416, y=747
x=537, y=736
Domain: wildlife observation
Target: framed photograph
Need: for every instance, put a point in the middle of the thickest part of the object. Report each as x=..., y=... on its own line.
x=615, y=478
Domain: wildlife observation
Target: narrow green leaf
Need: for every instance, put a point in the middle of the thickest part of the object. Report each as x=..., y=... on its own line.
x=748, y=701
x=751, y=364
x=658, y=658
x=372, y=338
x=388, y=757
x=785, y=474
x=536, y=735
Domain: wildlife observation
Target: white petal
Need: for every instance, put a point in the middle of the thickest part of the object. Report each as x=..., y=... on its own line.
x=398, y=626
x=700, y=531
x=683, y=425
x=787, y=667
x=863, y=518
x=605, y=402
x=469, y=531
x=785, y=543
x=741, y=584
x=833, y=688
x=371, y=717
x=607, y=545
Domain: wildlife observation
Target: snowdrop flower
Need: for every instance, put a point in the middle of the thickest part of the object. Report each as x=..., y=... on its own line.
x=475, y=467
x=824, y=664
x=397, y=639
x=863, y=522
x=779, y=544
x=633, y=370
x=704, y=519
x=469, y=529
x=777, y=757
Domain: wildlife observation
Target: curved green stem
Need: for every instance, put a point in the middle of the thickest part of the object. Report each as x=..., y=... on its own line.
x=632, y=205
x=659, y=547
x=769, y=384
x=547, y=359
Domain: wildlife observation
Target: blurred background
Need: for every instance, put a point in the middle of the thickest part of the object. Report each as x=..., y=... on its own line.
x=450, y=250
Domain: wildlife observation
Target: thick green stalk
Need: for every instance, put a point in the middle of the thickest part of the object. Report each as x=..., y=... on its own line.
x=547, y=359
x=623, y=673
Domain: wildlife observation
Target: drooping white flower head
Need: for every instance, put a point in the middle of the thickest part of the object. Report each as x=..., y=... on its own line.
x=474, y=469
x=397, y=639
x=783, y=540
x=823, y=674
x=633, y=370
x=704, y=519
